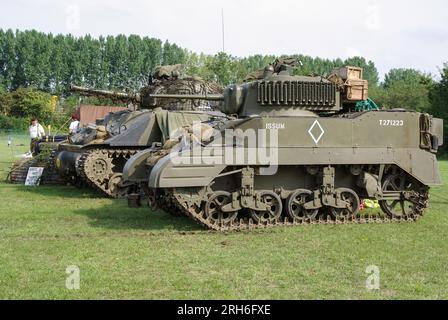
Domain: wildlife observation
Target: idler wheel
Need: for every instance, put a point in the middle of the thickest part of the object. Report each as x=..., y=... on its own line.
x=352, y=202
x=295, y=203
x=115, y=186
x=403, y=207
x=213, y=206
x=274, y=211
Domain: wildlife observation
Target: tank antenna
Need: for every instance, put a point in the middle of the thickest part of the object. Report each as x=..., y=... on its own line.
x=223, y=34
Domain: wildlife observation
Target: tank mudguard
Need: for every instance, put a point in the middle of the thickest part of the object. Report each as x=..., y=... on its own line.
x=135, y=169
x=169, y=172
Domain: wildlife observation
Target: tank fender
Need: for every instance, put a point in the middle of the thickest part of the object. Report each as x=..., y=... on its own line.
x=166, y=174
x=419, y=163
x=135, y=169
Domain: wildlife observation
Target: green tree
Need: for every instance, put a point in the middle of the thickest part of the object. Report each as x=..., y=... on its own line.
x=135, y=59
x=439, y=102
x=7, y=58
x=173, y=54
x=26, y=103
x=406, y=76
x=5, y=102
x=58, y=65
x=404, y=88
x=225, y=68
x=23, y=54
x=152, y=55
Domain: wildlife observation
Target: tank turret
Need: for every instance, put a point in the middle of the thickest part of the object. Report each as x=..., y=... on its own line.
x=274, y=90
x=165, y=80
x=277, y=92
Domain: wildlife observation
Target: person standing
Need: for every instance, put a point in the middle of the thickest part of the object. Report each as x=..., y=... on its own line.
x=36, y=132
x=74, y=125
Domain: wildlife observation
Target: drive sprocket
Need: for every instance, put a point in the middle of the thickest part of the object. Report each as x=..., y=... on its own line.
x=98, y=166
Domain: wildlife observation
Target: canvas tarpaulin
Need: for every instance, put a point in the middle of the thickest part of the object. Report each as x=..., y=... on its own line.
x=171, y=121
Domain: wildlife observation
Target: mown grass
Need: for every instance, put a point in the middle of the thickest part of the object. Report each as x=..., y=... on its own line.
x=139, y=254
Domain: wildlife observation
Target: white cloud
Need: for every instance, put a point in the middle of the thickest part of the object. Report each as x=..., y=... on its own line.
x=395, y=33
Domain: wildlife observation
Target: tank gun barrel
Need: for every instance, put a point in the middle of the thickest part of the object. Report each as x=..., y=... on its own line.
x=231, y=99
x=105, y=93
x=208, y=97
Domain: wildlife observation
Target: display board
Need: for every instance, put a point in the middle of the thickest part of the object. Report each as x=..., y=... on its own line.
x=34, y=176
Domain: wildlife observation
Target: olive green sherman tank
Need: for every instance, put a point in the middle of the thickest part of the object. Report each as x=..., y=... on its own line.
x=324, y=157
x=96, y=155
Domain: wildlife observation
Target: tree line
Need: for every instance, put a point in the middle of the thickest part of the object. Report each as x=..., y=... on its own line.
x=53, y=62
x=50, y=63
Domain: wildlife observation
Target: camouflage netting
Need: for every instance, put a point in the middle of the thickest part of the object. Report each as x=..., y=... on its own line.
x=169, y=71
x=277, y=66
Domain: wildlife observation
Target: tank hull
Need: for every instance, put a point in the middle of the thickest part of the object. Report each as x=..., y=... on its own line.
x=361, y=140
x=331, y=164
x=306, y=150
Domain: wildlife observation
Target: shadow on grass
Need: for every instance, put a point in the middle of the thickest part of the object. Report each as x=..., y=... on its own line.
x=56, y=191
x=119, y=217
x=113, y=215
x=438, y=199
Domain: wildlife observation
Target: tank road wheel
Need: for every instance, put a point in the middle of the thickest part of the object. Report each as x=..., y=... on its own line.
x=274, y=211
x=352, y=202
x=295, y=202
x=213, y=207
x=402, y=208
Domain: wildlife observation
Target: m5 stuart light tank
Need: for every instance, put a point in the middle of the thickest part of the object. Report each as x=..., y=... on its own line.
x=325, y=156
x=96, y=155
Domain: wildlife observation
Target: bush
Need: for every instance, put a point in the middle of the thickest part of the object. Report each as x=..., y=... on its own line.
x=19, y=106
x=13, y=123
x=28, y=102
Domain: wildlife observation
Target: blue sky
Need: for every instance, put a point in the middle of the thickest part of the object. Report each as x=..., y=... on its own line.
x=394, y=33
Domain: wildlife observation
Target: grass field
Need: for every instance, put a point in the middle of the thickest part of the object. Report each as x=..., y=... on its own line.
x=139, y=254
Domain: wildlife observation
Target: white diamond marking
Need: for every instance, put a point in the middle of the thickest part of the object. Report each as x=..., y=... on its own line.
x=322, y=132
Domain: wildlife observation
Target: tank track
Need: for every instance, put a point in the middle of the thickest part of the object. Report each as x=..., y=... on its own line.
x=190, y=202
x=191, y=210
x=102, y=182
x=167, y=204
x=52, y=176
x=18, y=173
